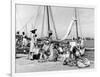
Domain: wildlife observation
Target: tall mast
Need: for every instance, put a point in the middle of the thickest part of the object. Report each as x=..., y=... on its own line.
x=76, y=23
x=48, y=19
x=43, y=23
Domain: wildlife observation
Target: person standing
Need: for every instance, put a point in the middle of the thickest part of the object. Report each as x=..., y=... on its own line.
x=32, y=43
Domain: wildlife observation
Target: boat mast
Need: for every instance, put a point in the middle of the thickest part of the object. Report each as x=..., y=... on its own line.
x=48, y=19
x=43, y=23
x=76, y=23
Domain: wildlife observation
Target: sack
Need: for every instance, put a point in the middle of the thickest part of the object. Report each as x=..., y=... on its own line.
x=84, y=62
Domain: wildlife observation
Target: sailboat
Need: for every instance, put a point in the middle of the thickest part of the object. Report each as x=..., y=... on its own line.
x=48, y=12
x=78, y=41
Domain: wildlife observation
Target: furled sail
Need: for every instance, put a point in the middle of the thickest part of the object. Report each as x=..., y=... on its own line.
x=69, y=30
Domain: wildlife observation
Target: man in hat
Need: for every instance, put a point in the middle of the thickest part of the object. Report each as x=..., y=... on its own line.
x=32, y=43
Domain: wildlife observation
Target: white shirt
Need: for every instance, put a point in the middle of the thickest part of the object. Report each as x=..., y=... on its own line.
x=72, y=45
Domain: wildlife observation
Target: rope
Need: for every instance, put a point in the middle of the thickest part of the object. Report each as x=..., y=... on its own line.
x=25, y=26
x=38, y=12
x=27, y=22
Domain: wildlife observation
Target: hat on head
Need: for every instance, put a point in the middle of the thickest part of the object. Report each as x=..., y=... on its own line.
x=33, y=31
x=23, y=33
x=35, y=35
x=17, y=32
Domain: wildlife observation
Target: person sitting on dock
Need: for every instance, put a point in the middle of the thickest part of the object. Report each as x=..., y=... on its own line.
x=53, y=53
x=45, y=51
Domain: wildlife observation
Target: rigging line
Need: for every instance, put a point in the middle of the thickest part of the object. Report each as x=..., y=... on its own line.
x=28, y=21
x=38, y=12
x=43, y=23
x=53, y=22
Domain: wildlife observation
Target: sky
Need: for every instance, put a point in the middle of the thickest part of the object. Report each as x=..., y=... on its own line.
x=28, y=16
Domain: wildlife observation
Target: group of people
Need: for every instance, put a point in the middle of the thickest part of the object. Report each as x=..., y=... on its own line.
x=70, y=53
x=22, y=41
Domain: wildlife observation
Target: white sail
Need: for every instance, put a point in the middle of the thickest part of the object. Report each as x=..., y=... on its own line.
x=69, y=30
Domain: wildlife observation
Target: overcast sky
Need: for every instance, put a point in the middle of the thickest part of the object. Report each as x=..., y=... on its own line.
x=27, y=15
